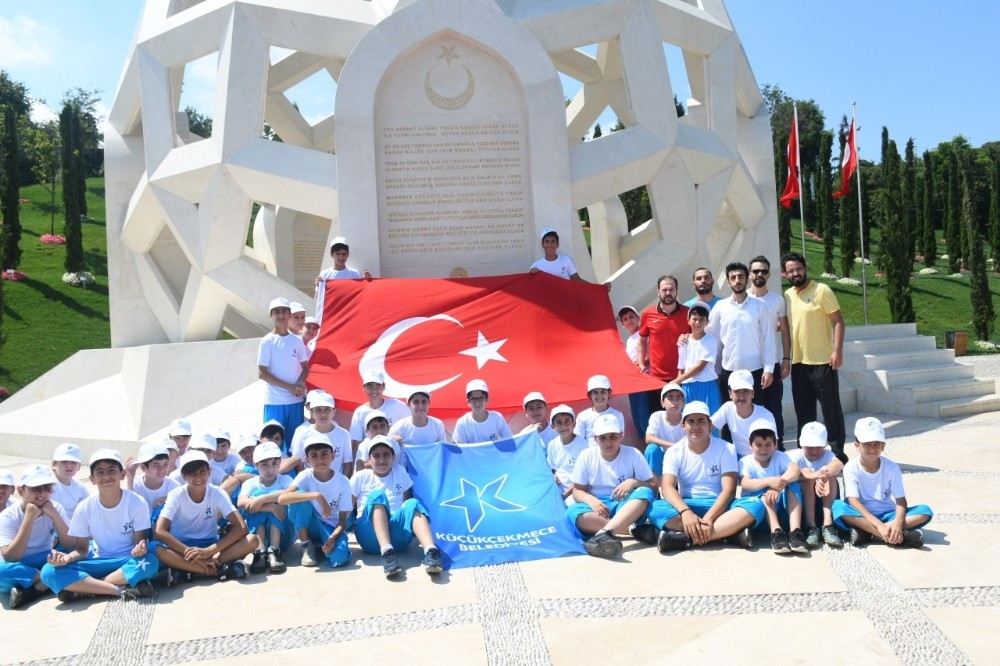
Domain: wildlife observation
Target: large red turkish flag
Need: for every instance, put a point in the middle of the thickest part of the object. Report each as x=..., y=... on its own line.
x=520, y=333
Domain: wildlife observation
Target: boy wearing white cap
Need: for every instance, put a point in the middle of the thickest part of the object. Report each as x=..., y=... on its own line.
x=534, y=408
x=26, y=529
x=206, y=443
x=419, y=427
x=6, y=488
x=154, y=484
x=339, y=252
x=388, y=516
x=739, y=412
x=612, y=486
x=323, y=412
x=282, y=362
x=266, y=518
x=551, y=261
x=376, y=425
x=296, y=318
x=819, y=470
x=68, y=492
x=310, y=331
x=638, y=403
x=599, y=392
x=117, y=522
x=187, y=537
x=373, y=384
x=770, y=477
x=665, y=427
x=319, y=501
x=563, y=450
x=876, y=505
x=480, y=425
x=698, y=488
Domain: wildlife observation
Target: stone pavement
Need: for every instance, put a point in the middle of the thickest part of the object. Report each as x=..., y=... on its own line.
x=874, y=605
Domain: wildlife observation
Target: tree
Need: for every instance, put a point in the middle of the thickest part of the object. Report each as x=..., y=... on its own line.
x=909, y=192
x=43, y=148
x=597, y=131
x=73, y=182
x=91, y=153
x=895, y=240
x=929, y=240
x=994, y=215
x=952, y=234
x=10, y=192
x=198, y=124
x=824, y=199
x=848, y=215
x=979, y=285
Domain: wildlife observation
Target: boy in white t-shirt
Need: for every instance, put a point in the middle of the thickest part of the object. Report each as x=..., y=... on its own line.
x=273, y=431
x=68, y=492
x=187, y=534
x=179, y=433
x=665, y=427
x=206, y=444
x=628, y=318
x=736, y=415
x=419, y=427
x=388, y=516
x=265, y=517
x=245, y=445
x=153, y=484
x=552, y=262
x=876, y=504
x=769, y=476
x=108, y=535
x=6, y=488
x=376, y=425
x=535, y=408
x=564, y=450
x=323, y=412
x=819, y=470
x=223, y=458
x=296, y=318
x=698, y=488
x=340, y=251
x=283, y=362
x=373, y=383
x=26, y=529
x=696, y=357
x=599, y=392
x=612, y=486
x=319, y=501
x=480, y=425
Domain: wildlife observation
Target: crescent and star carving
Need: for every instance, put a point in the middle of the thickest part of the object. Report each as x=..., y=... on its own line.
x=443, y=101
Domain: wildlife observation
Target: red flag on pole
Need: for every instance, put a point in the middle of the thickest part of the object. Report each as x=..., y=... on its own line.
x=520, y=333
x=791, y=192
x=848, y=163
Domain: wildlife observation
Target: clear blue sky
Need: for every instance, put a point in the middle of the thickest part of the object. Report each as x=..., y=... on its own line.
x=924, y=68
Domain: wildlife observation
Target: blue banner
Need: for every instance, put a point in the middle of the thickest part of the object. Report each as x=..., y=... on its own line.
x=493, y=502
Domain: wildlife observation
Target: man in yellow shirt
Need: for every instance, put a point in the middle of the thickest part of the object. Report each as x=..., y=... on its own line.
x=817, y=337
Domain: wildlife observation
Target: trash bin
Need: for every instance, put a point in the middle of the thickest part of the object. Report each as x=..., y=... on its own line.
x=957, y=340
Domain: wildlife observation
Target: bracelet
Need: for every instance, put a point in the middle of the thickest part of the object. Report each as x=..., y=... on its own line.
x=682, y=512
x=786, y=358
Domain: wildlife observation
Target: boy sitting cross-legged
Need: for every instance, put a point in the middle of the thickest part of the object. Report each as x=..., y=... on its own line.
x=819, y=469
x=258, y=501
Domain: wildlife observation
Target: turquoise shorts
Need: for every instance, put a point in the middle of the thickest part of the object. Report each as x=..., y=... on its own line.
x=574, y=511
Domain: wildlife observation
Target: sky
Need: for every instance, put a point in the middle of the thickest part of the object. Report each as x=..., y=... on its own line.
x=925, y=69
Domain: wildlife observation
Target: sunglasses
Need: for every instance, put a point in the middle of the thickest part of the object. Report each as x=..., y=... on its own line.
x=760, y=271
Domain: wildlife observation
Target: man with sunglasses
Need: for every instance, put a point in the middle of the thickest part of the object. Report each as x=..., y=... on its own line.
x=760, y=272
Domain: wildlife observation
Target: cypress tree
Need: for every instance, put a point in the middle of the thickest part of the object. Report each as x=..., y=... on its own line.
x=929, y=241
x=72, y=175
x=824, y=199
x=979, y=286
x=848, y=215
x=10, y=232
x=994, y=218
x=910, y=206
x=894, y=240
x=953, y=206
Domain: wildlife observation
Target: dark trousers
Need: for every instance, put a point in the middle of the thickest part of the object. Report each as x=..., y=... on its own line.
x=819, y=383
x=639, y=406
x=771, y=399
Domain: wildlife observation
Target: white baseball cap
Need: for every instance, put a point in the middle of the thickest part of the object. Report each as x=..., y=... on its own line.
x=150, y=450
x=222, y=433
x=531, y=397
x=322, y=399
x=6, y=477
x=279, y=302
x=372, y=377
x=179, y=427
x=313, y=437
x=295, y=306
x=67, y=452
x=375, y=414
x=190, y=457
x=105, y=454
x=561, y=409
x=546, y=231
x=667, y=388
x=419, y=391
x=869, y=429
x=246, y=440
x=312, y=320
x=598, y=382
x=813, y=435
x=312, y=393
x=36, y=475
x=204, y=441
x=763, y=423
x=741, y=380
x=386, y=441
x=266, y=451
x=476, y=385
x=627, y=308
x=695, y=407
x=606, y=423
x=338, y=240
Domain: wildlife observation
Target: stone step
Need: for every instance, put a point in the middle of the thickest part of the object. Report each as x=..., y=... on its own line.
x=879, y=331
x=896, y=377
x=890, y=345
x=931, y=392
x=966, y=407
x=901, y=360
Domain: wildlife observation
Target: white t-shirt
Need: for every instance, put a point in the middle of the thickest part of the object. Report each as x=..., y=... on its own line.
x=196, y=520
x=694, y=352
x=251, y=486
x=140, y=488
x=562, y=266
x=365, y=446
x=776, y=307
x=470, y=431
x=749, y=467
x=603, y=476
x=798, y=457
x=69, y=495
x=394, y=411
x=339, y=439
x=111, y=529
x=283, y=356
x=395, y=484
x=877, y=491
x=562, y=459
x=215, y=476
x=632, y=347
x=432, y=433
x=660, y=427
x=700, y=475
x=739, y=428
x=229, y=465
x=746, y=331
x=40, y=537
x=336, y=491
x=585, y=422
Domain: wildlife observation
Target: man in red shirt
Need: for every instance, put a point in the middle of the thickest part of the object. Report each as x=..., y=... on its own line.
x=659, y=327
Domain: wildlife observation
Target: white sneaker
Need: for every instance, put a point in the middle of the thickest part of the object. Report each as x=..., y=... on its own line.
x=308, y=558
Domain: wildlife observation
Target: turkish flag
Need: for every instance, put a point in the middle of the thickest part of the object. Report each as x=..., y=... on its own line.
x=791, y=191
x=519, y=333
x=848, y=163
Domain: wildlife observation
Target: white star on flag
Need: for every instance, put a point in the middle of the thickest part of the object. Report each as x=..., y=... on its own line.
x=485, y=351
x=142, y=563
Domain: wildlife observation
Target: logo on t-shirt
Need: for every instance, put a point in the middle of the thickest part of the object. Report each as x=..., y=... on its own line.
x=621, y=478
x=399, y=487
x=208, y=513
x=715, y=470
x=127, y=528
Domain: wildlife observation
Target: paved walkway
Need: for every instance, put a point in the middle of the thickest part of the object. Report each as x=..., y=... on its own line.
x=874, y=605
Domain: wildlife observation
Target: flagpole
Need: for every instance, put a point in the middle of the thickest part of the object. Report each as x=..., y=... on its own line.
x=861, y=224
x=798, y=177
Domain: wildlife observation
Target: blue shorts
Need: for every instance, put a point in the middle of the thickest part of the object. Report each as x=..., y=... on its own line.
x=781, y=507
x=400, y=523
x=135, y=569
x=22, y=572
x=304, y=516
x=662, y=511
x=267, y=520
x=574, y=511
x=290, y=416
x=841, y=508
x=654, y=457
x=706, y=392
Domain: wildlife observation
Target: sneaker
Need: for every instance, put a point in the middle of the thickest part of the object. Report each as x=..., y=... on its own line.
x=912, y=539
x=668, y=540
x=275, y=564
x=831, y=537
x=259, y=562
x=390, y=565
x=779, y=542
x=603, y=544
x=859, y=538
x=237, y=570
x=432, y=561
x=21, y=596
x=814, y=538
x=797, y=541
x=308, y=557
x=66, y=596
x=226, y=571
x=646, y=533
x=743, y=539
x=141, y=591
x=176, y=577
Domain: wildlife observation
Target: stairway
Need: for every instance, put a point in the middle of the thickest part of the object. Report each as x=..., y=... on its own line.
x=896, y=371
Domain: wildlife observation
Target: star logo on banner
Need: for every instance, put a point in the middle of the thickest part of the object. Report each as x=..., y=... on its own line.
x=485, y=351
x=474, y=500
x=142, y=563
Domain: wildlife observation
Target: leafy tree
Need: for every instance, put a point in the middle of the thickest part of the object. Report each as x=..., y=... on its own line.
x=73, y=183
x=929, y=240
x=10, y=232
x=198, y=124
x=848, y=215
x=979, y=285
x=14, y=95
x=824, y=200
x=44, y=151
x=91, y=153
x=895, y=240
